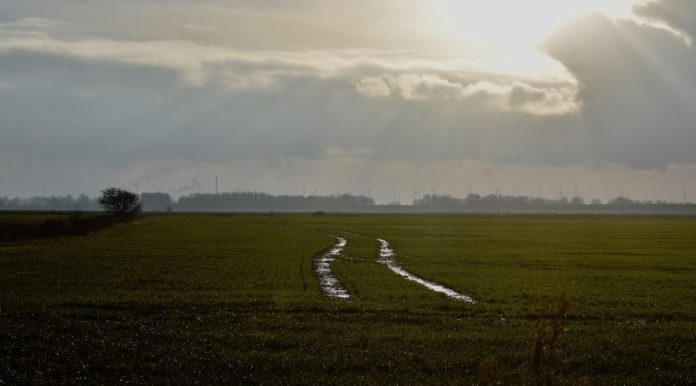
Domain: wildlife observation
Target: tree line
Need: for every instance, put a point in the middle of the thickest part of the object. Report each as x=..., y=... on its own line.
x=474, y=200
x=263, y=202
x=197, y=202
x=258, y=202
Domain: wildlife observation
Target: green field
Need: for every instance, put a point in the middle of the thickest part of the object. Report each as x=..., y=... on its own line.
x=214, y=298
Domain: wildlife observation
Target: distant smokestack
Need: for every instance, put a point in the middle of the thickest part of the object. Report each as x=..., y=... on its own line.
x=216, y=185
x=575, y=188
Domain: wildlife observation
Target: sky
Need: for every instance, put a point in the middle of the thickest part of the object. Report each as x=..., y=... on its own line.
x=390, y=98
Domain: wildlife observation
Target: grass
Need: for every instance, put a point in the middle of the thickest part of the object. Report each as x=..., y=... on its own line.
x=213, y=298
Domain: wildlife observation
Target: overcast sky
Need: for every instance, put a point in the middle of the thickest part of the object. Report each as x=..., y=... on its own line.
x=349, y=96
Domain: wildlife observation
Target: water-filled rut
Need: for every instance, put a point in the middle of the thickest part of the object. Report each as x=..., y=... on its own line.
x=386, y=257
x=328, y=283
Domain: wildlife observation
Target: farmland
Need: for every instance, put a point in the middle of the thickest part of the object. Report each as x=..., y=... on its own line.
x=213, y=298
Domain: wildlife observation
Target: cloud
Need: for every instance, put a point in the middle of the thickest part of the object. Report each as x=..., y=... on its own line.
x=32, y=23
x=199, y=33
x=199, y=65
x=512, y=97
x=425, y=87
x=637, y=83
x=241, y=24
x=84, y=85
x=523, y=97
x=135, y=112
x=374, y=87
x=242, y=69
x=677, y=14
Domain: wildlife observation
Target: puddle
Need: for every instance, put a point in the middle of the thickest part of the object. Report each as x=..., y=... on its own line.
x=386, y=257
x=328, y=283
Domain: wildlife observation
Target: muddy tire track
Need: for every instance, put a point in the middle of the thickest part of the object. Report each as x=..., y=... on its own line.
x=328, y=283
x=387, y=257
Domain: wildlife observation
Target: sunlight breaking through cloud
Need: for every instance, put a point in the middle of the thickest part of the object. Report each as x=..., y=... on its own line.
x=119, y=84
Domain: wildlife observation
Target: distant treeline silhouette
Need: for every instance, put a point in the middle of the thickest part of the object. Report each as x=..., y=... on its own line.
x=263, y=202
x=61, y=203
x=201, y=202
x=498, y=199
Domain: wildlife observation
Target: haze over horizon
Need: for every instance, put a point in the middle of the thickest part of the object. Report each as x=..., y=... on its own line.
x=524, y=98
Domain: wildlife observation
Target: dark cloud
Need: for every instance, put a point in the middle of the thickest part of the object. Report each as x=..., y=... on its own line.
x=678, y=14
x=637, y=86
x=119, y=113
x=122, y=110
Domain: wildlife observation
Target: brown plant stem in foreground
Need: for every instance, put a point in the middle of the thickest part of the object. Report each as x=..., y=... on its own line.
x=540, y=367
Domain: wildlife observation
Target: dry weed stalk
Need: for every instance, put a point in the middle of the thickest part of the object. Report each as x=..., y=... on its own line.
x=540, y=366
